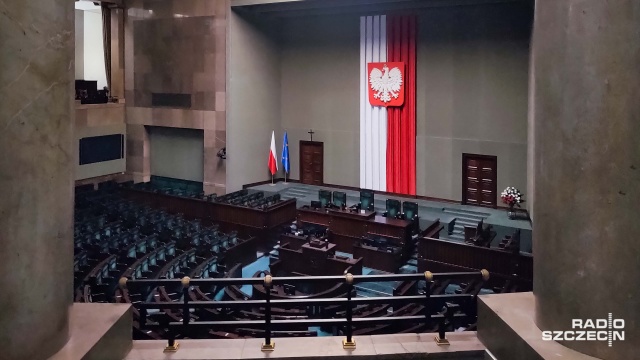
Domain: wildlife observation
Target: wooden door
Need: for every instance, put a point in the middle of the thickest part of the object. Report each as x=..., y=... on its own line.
x=311, y=162
x=479, y=174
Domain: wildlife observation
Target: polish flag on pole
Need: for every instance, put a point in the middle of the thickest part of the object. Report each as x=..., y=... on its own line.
x=273, y=163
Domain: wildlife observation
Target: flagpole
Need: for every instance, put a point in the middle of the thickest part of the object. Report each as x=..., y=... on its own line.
x=272, y=180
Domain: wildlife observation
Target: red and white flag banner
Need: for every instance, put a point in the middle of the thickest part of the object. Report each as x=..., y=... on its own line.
x=273, y=163
x=388, y=59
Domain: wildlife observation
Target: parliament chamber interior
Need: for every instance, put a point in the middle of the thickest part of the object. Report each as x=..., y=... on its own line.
x=252, y=179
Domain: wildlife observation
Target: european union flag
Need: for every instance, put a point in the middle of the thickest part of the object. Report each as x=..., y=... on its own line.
x=285, y=153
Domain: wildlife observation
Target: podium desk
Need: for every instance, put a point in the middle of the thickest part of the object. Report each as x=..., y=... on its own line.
x=390, y=228
x=313, y=216
x=377, y=258
x=346, y=213
x=295, y=242
x=351, y=224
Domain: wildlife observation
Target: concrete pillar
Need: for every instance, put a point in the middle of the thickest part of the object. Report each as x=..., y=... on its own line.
x=36, y=176
x=586, y=75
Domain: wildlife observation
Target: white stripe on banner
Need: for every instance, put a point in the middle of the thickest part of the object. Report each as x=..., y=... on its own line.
x=373, y=119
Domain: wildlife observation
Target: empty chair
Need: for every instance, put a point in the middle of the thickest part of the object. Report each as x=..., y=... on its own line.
x=340, y=199
x=366, y=200
x=410, y=212
x=392, y=208
x=325, y=197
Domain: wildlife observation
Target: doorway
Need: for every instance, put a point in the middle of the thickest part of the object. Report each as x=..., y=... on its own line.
x=479, y=185
x=311, y=162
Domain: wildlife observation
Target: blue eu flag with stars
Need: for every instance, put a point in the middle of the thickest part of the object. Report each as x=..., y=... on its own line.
x=285, y=153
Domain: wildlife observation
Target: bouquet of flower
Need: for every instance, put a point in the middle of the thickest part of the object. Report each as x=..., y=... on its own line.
x=512, y=196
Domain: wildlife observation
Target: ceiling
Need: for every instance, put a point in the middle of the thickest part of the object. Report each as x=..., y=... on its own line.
x=86, y=5
x=293, y=8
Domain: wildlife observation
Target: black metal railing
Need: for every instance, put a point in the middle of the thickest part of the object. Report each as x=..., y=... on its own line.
x=446, y=310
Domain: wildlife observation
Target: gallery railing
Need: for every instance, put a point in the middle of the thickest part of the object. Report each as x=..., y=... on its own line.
x=448, y=314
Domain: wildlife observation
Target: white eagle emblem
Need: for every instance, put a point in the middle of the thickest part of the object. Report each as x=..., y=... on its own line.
x=385, y=84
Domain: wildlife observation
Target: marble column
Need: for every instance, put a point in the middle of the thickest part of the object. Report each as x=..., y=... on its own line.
x=586, y=120
x=36, y=176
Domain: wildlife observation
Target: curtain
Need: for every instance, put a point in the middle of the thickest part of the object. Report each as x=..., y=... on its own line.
x=401, y=133
x=106, y=41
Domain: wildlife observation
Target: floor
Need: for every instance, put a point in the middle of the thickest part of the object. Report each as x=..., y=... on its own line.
x=464, y=345
x=452, y=214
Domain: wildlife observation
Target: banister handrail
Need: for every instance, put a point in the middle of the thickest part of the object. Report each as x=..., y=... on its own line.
x=238, y=304
x=447, y=315
x=305, y=279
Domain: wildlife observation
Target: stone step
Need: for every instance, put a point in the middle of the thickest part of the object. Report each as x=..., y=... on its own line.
x=466, y=222
x=298, y=191
x=466, y=214
x=458, y=237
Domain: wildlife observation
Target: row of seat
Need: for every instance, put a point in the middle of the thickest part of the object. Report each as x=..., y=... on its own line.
x=189, y=191
x=150, y=243
x=338, y=199
x=137, y=243
x=256, y=199
x=406, y=210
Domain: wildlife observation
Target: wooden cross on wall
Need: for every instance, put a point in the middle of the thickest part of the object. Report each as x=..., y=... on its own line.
x=311, y=132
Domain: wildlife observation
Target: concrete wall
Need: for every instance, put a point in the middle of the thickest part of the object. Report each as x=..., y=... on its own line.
x=320, y=76
x=36, y=181
x=175, y=47
x=254, y=100
x=472, y=94
x=176, y=153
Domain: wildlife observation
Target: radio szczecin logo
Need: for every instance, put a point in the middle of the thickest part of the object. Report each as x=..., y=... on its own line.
x=608, y=330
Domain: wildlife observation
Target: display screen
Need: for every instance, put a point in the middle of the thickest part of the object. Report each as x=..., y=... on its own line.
x=101, y=148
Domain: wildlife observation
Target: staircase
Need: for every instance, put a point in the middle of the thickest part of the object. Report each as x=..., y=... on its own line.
x=463, y=218
x=297, y=192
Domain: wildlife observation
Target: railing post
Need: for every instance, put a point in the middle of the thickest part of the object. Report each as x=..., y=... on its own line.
x=268, y=344
x=428, y=276
x=442, y=327
x=450, y=313
x=485, y=277
x=349, y=343
x=143, y=317
x=172, y=344
x=186, y=315
x=441, y=337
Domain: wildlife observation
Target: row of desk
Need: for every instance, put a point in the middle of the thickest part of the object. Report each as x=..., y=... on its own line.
x=357, y=224
x=247, y=221
x=348, y=228
x=448, y=256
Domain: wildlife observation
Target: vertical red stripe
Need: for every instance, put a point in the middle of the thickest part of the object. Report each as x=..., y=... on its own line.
x=401, y=133
x=413, y=59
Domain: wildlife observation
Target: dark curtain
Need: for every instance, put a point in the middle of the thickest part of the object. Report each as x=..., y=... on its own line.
x=106, y=42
